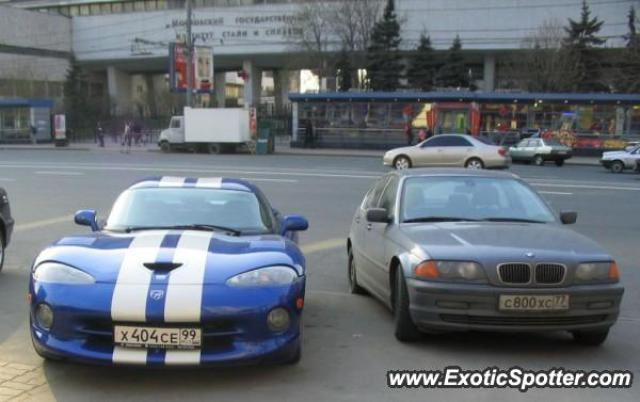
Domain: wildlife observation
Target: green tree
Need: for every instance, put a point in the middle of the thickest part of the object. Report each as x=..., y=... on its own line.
x=583, y=41
x=421, y=68
x=75, y=99
x=345, y=71
x=383, y=54
x=629, y=72
x=453, y=73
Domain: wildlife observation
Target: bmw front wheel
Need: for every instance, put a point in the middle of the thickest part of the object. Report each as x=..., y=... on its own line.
x=405, y=329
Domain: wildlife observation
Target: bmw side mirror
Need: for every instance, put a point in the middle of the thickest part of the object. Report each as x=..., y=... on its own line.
x=568, y=217
x=87, y=217
x=294, y=223
x=378, y=215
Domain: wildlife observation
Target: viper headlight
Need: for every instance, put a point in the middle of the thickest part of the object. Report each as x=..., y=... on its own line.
x=54, y=272
x=591, y=272
x=269, y=276
x=450, y=271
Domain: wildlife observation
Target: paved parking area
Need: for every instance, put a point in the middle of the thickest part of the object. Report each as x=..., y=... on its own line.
x=349, y=343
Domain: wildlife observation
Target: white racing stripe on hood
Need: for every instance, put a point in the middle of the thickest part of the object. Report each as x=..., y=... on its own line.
x=210, y=182
x=170, y=181
x=183, y=301
x=129, y=301
x=182, y=357
x=129, y=356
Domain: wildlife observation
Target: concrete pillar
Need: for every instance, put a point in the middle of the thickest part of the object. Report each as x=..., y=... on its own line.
x=219, y=83
x=281, y=86
x=119, y=88
x=253, y=84
x=295, y=123
x=489, y=72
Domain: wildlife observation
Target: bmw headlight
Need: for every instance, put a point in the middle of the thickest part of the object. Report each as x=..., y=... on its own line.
x=54, y=272
x=465, y=271
x=591, y=272
x=269, y=276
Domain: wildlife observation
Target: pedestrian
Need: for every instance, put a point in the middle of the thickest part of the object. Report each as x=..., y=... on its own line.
x=408, y=132
x=33, y=132
x=100, y=135
x=308, y=134
x=126, y=138
x=422, y=135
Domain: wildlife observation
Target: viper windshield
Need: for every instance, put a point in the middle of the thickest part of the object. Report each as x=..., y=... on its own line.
x=240, y=212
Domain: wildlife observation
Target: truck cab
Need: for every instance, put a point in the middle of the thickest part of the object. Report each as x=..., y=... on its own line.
x=174, y=135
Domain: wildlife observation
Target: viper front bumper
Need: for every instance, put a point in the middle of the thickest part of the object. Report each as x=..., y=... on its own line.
x=233, y=323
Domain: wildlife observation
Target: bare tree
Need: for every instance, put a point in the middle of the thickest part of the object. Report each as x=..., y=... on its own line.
x=313, y=23
x=352, y=21
x=367, y=14
x=544, y=65
x=326, y=28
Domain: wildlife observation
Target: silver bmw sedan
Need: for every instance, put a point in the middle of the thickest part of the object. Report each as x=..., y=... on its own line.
x=459, y=249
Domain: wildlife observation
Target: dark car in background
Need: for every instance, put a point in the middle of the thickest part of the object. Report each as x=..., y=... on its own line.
x=6, y=224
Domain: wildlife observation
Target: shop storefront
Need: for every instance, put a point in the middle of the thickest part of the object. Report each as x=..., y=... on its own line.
x=25, y=120
x=381, y=120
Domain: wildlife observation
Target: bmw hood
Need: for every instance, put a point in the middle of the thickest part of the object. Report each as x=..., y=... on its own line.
x=195, y=256
x=510, y=241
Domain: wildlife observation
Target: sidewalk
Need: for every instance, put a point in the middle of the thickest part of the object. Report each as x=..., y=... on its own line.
x=281, y=149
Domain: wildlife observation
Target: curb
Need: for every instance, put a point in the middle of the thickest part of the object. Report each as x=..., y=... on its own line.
x=326, y=154
x=9, y=148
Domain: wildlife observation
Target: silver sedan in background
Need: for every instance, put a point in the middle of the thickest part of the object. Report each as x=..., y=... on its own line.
x=454, y=249
x=449, y=150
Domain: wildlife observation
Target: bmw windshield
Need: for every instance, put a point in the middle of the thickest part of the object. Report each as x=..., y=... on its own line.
x=239, y=212
x=436, y=199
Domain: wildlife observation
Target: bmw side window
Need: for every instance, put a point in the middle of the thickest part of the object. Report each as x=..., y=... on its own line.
x=388, y=200
x=523, y=143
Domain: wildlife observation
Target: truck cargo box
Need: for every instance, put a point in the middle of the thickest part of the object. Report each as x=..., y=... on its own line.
x=228, y=125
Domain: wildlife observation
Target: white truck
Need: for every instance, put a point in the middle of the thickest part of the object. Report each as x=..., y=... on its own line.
x=208, y=130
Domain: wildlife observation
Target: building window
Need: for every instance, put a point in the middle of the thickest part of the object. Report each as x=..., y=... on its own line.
x=105, y=8
x=116, y=8
x=55, y=89
x=150, y=5
x=139, y=5
x=128, y=7
x=6, y=88
x=162, y=4
x=74, y=10
x=84, y=10
x=94, y=9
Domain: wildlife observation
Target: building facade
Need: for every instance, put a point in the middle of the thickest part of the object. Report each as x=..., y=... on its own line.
x=124, y=44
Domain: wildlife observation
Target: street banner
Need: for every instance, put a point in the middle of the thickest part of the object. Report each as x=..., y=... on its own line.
x=202, y=68
x=59, y=127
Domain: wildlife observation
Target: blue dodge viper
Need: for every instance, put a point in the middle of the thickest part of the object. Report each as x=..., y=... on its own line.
x=184, y=271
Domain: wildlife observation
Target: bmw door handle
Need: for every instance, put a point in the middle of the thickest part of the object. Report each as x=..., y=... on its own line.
x=368, y=226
